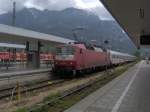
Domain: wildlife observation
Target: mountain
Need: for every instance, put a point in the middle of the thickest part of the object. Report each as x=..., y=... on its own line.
x=62, y=23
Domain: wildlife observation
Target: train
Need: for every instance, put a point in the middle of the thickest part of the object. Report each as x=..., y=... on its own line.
x=78, y=57
x=22, y=56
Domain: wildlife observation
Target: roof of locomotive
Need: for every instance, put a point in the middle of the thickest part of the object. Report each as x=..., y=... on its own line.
x=70, y=44
x=88, y=46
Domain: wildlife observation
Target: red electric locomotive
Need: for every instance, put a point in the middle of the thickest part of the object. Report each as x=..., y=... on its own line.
x=78, y=57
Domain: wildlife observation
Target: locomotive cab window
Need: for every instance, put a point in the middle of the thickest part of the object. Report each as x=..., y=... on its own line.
x=65, y=50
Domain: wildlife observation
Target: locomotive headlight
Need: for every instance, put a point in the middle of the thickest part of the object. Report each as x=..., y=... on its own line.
x=71, y=63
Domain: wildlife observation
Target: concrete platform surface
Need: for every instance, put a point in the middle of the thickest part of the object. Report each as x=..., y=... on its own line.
x=24, y=72
x=129, y=92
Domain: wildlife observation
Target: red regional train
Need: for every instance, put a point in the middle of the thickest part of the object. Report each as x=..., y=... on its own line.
x=78, y=57
x=21, y=56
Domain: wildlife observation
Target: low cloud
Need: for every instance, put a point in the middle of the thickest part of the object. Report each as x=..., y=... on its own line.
x=92, y=5
x=7, y=5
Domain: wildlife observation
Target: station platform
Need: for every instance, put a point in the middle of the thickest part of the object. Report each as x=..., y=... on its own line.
x=21, y=68
x=25, y=76
x=23, y=72
x=129, y=92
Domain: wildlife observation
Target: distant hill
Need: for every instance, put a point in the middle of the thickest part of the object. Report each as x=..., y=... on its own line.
x=62, y=23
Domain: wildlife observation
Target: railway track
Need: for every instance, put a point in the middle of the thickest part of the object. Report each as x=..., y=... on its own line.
x=103, y=79
x=7, y=92
x=69, y=92
x=9, y=81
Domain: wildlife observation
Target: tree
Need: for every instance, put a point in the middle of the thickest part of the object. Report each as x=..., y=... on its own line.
x=137, y=53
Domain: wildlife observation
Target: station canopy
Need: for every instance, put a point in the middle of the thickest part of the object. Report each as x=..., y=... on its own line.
x=9, y=34
x=133, y=16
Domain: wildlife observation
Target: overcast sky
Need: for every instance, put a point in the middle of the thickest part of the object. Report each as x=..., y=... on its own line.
x=90, y=5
